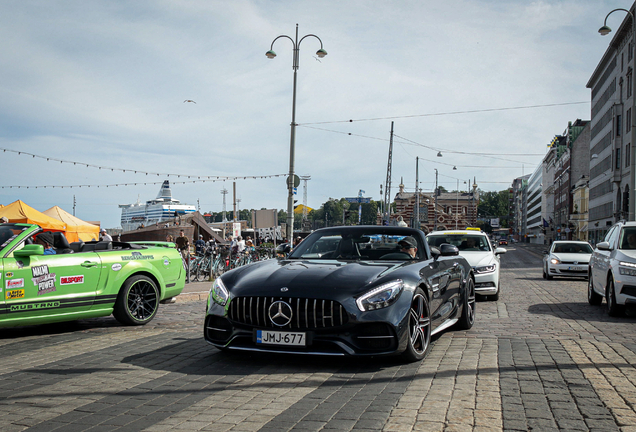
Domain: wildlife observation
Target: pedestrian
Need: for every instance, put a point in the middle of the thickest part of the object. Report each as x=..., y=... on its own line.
x=199, y=245
x=105, y=236
x=169, y=238
x=400, y=222
x=4, y=219
x=183, y=245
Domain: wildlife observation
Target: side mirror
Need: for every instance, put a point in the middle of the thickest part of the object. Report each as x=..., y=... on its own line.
x=605, y=246
x=435, y=253
x=500, y=251
x=448, y=250
x=29, y=250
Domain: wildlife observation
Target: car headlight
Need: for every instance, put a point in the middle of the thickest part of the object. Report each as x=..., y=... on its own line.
x=627, y=268
x=219, y=293
x=380, y=297
x=555, y=261
x=486, y=269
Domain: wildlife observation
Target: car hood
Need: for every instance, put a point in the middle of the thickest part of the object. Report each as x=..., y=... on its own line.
x=626, y=253
x=573, y=257
x=478, y=258
x=309, y=278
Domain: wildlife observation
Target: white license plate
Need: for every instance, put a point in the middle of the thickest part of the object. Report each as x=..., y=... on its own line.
x=280, y=338
x=576, y=268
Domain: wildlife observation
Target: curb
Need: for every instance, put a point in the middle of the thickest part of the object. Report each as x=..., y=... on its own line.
x=191, y=296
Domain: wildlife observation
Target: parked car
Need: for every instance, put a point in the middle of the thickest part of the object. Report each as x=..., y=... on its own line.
x=612, y=269
x=83, y=280
x=567, y=258
x=349, y=290
x=475, y=246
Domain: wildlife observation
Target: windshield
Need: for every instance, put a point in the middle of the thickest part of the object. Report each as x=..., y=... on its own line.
x=628, y=238
x=8, y=232
x=582, y=248
x=357, y=245
x=464, y=242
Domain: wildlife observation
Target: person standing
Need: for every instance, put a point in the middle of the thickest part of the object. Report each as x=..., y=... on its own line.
x=183, y=245
x=199, y=245
x=105, y=236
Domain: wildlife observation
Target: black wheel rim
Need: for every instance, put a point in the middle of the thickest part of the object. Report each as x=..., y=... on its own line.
x=142, y=300
x=470, y=301
x=419, y=325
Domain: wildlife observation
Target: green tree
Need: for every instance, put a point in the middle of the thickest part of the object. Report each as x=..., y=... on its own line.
x=495, y=205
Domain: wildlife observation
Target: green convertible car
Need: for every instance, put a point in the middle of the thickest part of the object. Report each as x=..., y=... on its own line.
x=83, y=280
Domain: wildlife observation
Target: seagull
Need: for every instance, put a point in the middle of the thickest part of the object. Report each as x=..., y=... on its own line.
x=189, y=100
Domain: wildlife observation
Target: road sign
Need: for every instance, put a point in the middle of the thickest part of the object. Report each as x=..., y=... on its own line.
x=358, y=200
x=296, y=180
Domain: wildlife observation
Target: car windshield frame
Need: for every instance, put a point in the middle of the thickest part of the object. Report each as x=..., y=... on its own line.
x=356, y=244
x=571, y=247
x=461, y=241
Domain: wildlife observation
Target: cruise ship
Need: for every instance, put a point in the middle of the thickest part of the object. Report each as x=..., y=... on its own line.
x=160, y=209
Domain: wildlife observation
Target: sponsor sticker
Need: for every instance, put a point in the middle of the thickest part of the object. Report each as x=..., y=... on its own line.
x=15, y=294
x=137, y=256
x=70, y=280
x=116, y=267
x=9, y=274
x=14, y=283
x=43, y=279
x=166, y=262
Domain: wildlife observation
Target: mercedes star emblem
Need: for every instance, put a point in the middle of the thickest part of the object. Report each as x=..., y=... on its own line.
x=280, y=313
x=284, y=289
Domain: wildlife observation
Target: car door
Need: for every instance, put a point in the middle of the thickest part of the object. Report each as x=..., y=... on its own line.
x=602, y=259
x=39, y=286
x=439, y=274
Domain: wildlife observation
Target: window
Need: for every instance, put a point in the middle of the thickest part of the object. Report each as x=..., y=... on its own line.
x=627, y=156
x=618, y=158
x=619, y=125
x=628, y=120
x=629, y=52
x=629, y=82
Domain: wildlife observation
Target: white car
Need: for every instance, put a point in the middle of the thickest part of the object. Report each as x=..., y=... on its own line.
x=476, y=248
x=613, y=269
x=567, y=258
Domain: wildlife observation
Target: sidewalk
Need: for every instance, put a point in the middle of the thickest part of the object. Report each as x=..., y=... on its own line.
x=194, y=291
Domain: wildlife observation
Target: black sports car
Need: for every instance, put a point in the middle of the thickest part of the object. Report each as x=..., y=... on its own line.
x=356, y=290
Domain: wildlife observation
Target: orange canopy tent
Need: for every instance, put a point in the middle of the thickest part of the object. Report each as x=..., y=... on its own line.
x=19, y=212
x=76, y=229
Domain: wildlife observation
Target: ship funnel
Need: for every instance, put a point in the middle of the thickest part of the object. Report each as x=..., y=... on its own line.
x=165, y=191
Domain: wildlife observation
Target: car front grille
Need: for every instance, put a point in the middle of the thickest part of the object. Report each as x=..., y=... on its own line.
x=307, y=314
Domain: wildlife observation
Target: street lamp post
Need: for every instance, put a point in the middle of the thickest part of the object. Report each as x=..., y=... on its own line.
x=292, y=141
x=632, y=176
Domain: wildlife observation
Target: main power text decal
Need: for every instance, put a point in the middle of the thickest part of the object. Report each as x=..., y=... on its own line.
x=44, y=280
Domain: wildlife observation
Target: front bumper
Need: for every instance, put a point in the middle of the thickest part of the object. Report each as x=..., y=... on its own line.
x=568, y=270
x=487, y=283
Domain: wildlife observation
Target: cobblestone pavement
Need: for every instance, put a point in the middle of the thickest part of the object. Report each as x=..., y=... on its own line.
x=540, y=358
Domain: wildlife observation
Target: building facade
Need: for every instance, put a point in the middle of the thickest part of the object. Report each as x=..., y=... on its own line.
x=611, y=133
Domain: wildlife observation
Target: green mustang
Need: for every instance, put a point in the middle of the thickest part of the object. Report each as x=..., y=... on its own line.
x=83, y=280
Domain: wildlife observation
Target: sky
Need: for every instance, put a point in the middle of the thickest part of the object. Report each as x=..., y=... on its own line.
x=91, y=88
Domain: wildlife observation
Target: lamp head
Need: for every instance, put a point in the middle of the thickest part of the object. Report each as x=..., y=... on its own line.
x=321, y=53
x=455, y=168
x=604, y=30
x=270, y=54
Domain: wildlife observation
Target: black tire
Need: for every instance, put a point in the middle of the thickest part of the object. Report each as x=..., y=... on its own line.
x=610, y=296
x=137, y=302
x=547, y=274
x=419, y=328
x=467, y=318
x=593, y=297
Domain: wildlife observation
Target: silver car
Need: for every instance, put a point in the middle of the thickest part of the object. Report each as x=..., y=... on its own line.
x=567, y=258
x=613, y=269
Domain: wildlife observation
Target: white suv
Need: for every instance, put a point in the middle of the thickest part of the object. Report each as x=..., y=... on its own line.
x=476, y=248
x=613, y=269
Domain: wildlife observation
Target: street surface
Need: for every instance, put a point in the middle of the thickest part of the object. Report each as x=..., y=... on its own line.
x=540, y=359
